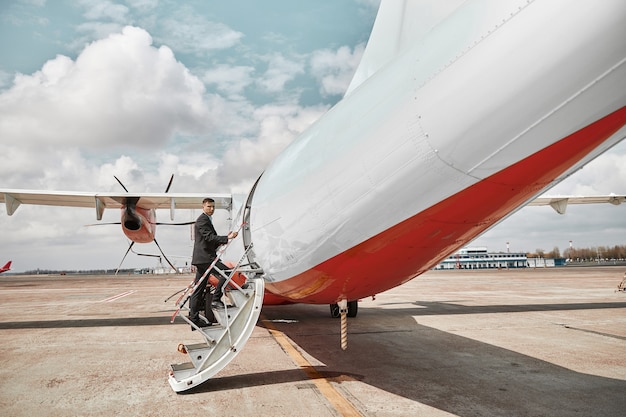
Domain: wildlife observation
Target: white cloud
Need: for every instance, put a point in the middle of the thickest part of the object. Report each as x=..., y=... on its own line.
x=334, y=69
x=278, y=126
x=126, y=170
x=99, y=9
x=280, y=71
x=603, y=175
x=188, y=32
x=5, y=79
x=94, y=30
x=230, y=80
x=194, y=172
x=120, y=91
x=143, y=5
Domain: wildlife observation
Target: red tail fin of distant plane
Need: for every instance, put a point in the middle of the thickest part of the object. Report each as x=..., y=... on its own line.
x=6, y=267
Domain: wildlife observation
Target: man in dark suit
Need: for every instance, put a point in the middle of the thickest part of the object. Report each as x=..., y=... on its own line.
x=204, y=253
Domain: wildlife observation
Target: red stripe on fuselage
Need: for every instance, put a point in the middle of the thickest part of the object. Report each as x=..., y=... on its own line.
x=415, y=245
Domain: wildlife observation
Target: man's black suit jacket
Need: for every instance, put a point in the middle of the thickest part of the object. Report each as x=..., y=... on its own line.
x=206, y=241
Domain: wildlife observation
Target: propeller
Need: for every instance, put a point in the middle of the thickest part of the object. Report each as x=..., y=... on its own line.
x=169, y=184
x=146, y=254
x=155, y=256
x=168, y=261
x=127, y=250
x=130, y=203
x=118, y=180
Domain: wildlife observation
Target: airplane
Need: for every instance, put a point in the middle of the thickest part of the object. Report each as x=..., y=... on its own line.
x=6, y=267
x=137, y=210
x=441, y=135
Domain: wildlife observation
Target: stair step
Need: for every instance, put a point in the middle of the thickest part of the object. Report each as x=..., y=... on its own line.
x=225, y=316
x=196, y=346
x=182, y=366
x=213, y=334
x=182, y=371
x=198, y=353
x=238, y=297
x=224, y=341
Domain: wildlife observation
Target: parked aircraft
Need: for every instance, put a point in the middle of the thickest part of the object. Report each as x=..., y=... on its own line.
x=6, y=267
x=441, y=135
x=137, y=210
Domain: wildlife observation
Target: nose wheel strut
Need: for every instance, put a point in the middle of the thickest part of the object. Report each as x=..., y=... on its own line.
x=353, y=309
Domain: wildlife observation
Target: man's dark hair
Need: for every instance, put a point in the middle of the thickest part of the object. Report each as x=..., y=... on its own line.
x=208, y=200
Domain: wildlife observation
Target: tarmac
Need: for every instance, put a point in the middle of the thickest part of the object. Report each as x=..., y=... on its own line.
x=525, y=342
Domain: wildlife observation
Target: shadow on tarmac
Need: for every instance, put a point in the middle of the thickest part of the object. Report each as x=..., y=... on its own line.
x=423, y=308
x=389, y=350
x=71, y=323
x=267, y=378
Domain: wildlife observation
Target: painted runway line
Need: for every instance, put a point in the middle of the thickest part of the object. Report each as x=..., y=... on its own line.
x=117, y=297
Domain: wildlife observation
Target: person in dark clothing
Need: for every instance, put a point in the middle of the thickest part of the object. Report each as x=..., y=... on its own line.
x=204, y=253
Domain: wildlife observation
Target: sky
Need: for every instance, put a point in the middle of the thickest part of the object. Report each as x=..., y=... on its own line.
x=143, y=89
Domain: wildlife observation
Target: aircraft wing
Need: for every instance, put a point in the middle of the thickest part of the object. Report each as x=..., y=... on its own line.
x=14, y=198
x=559, y=203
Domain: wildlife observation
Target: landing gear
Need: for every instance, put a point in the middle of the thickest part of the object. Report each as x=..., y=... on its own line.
x=344, y=309
x=353, y=309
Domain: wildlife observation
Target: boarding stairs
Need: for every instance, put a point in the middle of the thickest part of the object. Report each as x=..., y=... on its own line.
x=224, y=339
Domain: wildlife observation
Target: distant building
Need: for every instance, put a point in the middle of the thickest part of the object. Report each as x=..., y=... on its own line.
x=479, y=258
x=545, y=262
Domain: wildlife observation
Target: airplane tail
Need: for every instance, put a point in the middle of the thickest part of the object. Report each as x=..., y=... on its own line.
x=399, y=23
x=6, y=266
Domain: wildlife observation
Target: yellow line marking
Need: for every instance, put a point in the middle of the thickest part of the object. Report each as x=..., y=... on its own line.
x=343, y=406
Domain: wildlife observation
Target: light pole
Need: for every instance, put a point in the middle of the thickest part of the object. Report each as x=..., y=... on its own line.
x=571, y=251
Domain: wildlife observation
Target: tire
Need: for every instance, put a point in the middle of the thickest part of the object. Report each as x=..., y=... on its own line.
x=353, y=308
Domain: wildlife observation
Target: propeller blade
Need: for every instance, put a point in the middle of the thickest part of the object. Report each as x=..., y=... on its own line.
x=145, y=254
x=118, y=180
x=170, y=183
x=127, y=250
x=176, y=224
x=168, y=261
x=100, y=224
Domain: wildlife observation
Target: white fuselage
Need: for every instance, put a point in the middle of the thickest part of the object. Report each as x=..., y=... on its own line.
x=493, y=85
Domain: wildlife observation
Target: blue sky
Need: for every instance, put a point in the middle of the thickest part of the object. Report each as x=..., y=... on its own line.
x=207, y=90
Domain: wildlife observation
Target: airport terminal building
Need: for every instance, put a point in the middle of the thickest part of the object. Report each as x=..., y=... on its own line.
x=479, y=258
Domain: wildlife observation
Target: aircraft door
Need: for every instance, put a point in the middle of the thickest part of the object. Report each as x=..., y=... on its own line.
x=246, y=230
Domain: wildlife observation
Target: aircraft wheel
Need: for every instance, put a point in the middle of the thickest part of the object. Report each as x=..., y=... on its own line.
x=334, y=311
x=353, y=308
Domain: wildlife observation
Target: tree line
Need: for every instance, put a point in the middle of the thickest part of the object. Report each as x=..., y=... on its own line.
x=617, y=252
